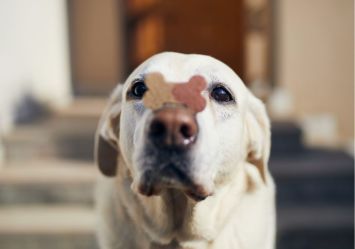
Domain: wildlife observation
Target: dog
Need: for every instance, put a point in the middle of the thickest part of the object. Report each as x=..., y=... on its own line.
x=176, y=178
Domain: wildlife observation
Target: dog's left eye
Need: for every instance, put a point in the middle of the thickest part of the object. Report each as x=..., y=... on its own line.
x=138, y=89
x=221, y=94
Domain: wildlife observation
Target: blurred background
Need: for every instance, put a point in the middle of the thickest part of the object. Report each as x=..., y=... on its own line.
x=60, y=59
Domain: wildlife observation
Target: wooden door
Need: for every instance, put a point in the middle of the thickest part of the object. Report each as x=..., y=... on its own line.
x=109, y=38
x=190, y=26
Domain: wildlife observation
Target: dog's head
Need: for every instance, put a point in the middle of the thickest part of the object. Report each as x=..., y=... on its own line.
x=168, y=143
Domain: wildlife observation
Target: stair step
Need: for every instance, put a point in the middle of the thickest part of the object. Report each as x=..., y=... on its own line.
x=70, y=219
x=312, y=162
x=286, y=138
x=57, y=227
x=314, y=217
x=326, y=227
x=52, y=181
x=84, y=107
x=69, y=133
x=54, y=137
x=316, y=177
x=29, y=141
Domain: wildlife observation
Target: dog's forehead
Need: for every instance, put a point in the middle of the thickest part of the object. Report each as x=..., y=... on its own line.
x=178, y=67
x=181, y=67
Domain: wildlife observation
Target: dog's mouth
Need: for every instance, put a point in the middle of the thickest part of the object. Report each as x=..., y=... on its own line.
x=153, y=182
x=163, y=168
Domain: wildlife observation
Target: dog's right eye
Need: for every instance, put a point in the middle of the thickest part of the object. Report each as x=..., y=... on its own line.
x=138, y=89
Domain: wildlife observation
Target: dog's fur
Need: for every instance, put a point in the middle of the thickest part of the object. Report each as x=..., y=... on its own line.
x=229, y=160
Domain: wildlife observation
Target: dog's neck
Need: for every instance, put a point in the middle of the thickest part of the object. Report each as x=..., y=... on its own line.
x=178, y=206
x=163, y=216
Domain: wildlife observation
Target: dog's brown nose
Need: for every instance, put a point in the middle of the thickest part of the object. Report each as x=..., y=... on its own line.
x=173, y=127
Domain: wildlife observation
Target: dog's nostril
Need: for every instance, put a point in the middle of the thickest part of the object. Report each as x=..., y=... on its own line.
x=157, y=128
x=186, y=131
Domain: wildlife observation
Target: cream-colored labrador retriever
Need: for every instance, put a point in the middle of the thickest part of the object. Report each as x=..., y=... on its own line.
x=174, y=179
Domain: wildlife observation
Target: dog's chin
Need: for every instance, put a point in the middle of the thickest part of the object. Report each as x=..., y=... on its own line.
x=196, y=193
x=161, y=169
x=153, y=182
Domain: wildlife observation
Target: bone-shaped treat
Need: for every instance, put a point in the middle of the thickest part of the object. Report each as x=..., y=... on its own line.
x=190, y=93
x=161, y=92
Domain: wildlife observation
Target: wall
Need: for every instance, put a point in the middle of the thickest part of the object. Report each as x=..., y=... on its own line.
x=97, y=45
x=34, y=55
x=314, y=47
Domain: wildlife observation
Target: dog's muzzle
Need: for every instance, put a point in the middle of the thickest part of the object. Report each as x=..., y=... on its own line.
x=172, y=133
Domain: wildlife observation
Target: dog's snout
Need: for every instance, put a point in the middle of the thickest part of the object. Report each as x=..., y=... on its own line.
x=175, y=127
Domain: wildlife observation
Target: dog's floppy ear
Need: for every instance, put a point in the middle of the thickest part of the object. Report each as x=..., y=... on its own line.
x=107, y=134
x=258, y=135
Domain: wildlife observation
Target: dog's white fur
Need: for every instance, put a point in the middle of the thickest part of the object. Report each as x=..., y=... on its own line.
x=230, y=161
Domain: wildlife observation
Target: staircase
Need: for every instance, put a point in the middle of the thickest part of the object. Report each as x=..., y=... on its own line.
x=47, y=186
x=315, y=193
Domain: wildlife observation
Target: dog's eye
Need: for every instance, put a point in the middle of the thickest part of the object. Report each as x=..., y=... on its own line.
x=138, y=89
x=221, y=94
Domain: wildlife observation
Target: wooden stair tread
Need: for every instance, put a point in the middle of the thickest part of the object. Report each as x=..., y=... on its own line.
x=48, y=171
x=47, y=220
